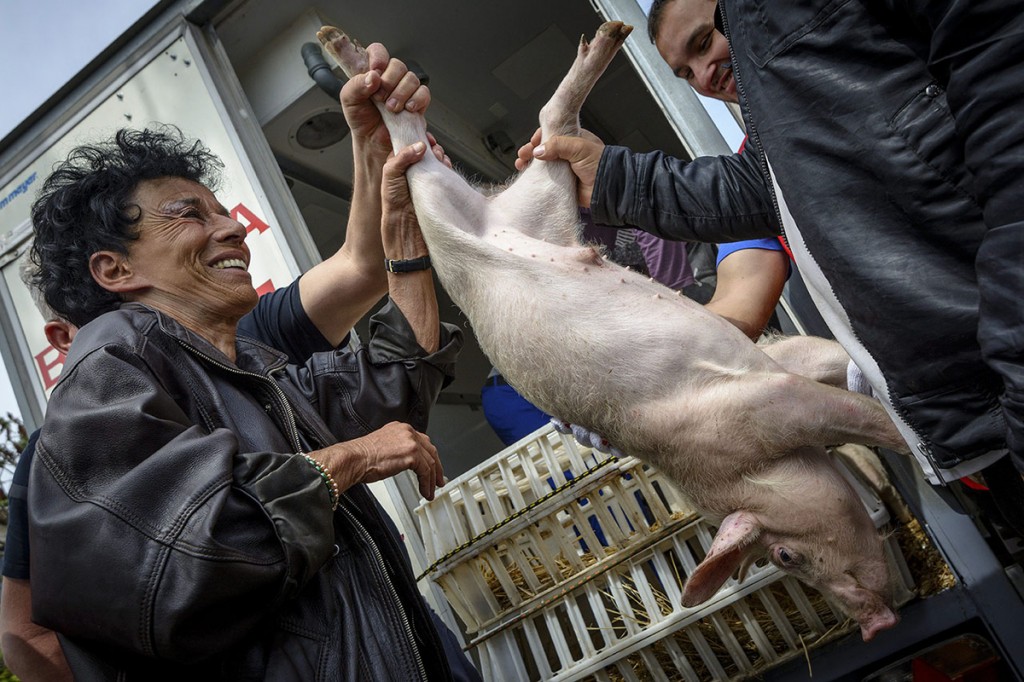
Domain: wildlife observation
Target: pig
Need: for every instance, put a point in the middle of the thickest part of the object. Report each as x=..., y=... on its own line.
x=736, y=427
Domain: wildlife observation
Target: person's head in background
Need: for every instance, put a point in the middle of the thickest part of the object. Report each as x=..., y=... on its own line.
x=59, y=332
x=687, y=39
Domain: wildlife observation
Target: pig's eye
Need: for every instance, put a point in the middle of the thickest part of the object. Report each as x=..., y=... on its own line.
x=786, y=558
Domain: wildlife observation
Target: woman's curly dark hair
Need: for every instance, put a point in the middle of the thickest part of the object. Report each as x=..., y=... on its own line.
x=85, y=207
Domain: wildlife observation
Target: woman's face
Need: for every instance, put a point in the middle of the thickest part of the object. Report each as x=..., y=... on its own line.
x=689, y=43
x=190, y=259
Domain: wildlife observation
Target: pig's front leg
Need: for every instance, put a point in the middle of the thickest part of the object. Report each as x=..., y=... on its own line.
x=830, y=416
x=773, y=413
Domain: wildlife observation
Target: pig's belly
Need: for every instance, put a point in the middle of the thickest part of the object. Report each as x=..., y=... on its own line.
x=589, y=343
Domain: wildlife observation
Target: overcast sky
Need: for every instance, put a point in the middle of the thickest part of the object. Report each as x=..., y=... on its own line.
x=44, y=43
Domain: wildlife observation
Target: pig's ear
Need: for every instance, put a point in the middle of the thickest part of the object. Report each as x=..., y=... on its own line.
x=727, y=554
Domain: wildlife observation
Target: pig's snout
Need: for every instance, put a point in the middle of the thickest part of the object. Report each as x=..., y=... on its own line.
x=876, y=622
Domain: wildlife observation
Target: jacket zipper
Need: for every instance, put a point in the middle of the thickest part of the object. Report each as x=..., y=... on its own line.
x=763, y=162
x=293, y=432
x=279, y=396
x=391, y=586
x=778, y=216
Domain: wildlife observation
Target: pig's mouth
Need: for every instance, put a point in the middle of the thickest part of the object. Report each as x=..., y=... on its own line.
x=867, y=607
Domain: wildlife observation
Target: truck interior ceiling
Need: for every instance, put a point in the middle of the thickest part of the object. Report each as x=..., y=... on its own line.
x=490, y=67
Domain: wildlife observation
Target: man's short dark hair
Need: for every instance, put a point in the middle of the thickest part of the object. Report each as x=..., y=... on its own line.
x=85, y=207
x=654, y=18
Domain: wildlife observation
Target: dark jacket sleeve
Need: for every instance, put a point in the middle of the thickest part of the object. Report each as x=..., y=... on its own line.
x=155, y=535
x=976, y=51
x=389, y=379
x=709, y=199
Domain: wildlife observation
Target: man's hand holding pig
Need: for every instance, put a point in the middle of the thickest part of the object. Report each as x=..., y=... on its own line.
x=389, y=450
x=583, y=154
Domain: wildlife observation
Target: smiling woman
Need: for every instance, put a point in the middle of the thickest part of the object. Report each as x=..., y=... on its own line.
x=189, y=260
x=103, y=178
x=230, y=533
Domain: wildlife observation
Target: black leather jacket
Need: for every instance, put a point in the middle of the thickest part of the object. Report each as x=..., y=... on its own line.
x=176, y=536
x=895, y=132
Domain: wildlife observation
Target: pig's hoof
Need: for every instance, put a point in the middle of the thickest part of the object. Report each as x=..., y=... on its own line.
x=616, y=30
x=347, y=52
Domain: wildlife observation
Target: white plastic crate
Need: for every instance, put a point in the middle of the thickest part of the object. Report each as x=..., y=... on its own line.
x=535, y=512
x=566, y=563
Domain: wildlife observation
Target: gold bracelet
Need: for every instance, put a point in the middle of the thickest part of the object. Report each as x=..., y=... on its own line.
x=332, y=486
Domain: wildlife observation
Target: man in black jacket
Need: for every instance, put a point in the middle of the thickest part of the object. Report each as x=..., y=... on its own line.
x=888, y=141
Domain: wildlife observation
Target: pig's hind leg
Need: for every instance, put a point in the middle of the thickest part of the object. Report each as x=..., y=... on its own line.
x=405, y=128
x=542, y=201
x=561, y=115
x=441, y=196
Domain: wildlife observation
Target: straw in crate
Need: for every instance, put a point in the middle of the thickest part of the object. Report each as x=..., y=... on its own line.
x=533, y=516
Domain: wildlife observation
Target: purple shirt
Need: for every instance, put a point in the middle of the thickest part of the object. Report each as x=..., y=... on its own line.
x=665, y=260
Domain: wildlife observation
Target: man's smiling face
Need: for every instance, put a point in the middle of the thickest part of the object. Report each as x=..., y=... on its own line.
x=695, y=50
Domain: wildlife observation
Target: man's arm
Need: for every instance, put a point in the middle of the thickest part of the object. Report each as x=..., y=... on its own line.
x=336, y=293
x=750, y=283
x=709, y=199
x=30, y=651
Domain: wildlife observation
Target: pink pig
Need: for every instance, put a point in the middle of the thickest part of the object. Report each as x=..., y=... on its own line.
x=737, y=427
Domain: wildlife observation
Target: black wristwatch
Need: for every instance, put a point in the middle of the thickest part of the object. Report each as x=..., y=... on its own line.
x=410, y=265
